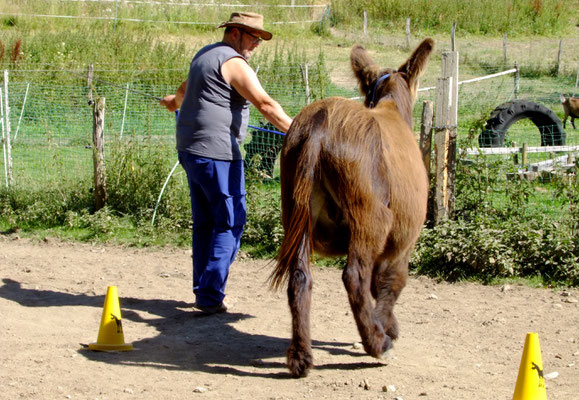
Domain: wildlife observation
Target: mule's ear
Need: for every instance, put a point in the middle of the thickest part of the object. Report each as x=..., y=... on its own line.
x=364, y=68
x=415, y=65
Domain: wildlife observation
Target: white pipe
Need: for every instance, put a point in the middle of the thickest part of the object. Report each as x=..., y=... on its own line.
x=124, y=110
x=162, y=190
x=3, y=137
x=22, y=111
x=8, y=149
x=510, y=71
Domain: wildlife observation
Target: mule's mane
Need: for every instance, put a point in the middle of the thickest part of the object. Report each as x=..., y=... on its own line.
x=400, y=86
x=395, y=88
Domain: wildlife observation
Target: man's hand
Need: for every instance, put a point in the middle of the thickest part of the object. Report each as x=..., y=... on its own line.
x=174, y=101
x=169, y=102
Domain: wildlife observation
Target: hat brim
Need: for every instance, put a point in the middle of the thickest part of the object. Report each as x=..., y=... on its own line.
x=265, y=35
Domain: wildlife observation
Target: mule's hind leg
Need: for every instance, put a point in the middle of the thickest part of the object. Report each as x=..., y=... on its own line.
x=388, y=281
x=299, y=354
x=357, y=280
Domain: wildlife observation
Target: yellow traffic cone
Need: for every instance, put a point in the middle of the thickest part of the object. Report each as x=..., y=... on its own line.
x=111, y=337
x=531, y=382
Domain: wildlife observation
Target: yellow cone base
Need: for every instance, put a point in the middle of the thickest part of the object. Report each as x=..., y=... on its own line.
x=531, y=381
x=111, y=337
x=110, y=347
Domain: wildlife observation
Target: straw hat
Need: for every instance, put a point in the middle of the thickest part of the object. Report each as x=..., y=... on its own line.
x=250, y=21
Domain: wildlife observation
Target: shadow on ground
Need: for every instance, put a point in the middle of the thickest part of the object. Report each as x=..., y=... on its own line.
x=187, y=339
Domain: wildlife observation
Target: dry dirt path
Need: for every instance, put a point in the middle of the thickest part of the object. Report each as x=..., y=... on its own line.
x=458, y=341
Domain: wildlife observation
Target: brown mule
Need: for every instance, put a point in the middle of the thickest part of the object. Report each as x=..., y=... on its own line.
x=353, y=183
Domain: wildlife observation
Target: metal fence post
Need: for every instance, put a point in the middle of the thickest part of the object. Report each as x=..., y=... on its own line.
x=6, y=135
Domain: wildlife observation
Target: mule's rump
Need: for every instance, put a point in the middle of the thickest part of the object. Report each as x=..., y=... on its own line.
x=363, y=167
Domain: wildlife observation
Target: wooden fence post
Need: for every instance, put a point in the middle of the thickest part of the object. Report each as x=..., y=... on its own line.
x=446, y=119
x=407, y=33
x=450, y=69
x=305, y=77
x=452, y=34
x=99, y=153
x=505, y=48
x=576, y=81
x=365, y=24
x=517, y=81
x=525, y=155
x=89, y=84
x=426, y=150
x=559, y=57
x=443, y=92
x=515, y=155
x=426, y=134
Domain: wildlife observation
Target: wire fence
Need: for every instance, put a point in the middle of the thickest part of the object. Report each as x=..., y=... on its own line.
x=51, y=125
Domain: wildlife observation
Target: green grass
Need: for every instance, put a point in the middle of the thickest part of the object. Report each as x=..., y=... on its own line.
x=484, y=17
x=53, y=167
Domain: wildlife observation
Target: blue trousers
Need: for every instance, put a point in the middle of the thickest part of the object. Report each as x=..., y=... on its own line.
x=217, y=190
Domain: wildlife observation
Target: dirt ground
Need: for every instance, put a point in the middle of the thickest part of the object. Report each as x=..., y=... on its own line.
x=457, y=341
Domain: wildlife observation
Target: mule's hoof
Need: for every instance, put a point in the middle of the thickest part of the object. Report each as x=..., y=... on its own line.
x=379, y=352
x=299, y=362
x=386, y=354
x=387, y=345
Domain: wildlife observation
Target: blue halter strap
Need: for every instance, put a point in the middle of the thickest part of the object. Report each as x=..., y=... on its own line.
x=382, y=78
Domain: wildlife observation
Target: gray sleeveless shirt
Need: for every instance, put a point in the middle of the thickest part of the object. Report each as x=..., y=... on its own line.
x=213, y=118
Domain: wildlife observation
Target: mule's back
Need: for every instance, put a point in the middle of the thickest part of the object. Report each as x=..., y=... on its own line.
x=353, y=182
x=355, y=163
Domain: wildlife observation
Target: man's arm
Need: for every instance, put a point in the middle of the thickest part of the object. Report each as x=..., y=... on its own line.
x=174, y=101
x=239, y=74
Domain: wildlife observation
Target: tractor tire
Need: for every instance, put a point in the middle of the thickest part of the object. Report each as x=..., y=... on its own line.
x=505, y=115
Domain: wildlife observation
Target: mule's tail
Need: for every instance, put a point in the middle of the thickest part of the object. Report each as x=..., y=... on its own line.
x=298, y=164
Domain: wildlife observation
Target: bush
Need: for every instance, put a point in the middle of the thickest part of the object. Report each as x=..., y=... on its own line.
x=497, y=232
x=263, y=232
x=29, y=209
x=136, y=172
x=456, y=250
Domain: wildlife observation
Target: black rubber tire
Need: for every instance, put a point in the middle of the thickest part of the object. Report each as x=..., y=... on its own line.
x=502, y=117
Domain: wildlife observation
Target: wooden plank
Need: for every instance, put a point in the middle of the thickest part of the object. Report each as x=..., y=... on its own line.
x=450, y=70
x=514, y=150
x=443, y=93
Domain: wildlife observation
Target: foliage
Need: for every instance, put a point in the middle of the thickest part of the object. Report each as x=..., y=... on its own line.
x=457, y=250
x=485, y=17
x=263, y=232
x=496, y=232
x=66, y=56
x=136, y=171
x=29, y=209
x=487, y=249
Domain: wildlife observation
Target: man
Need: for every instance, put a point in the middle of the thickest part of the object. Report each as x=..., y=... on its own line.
x=212, y=123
